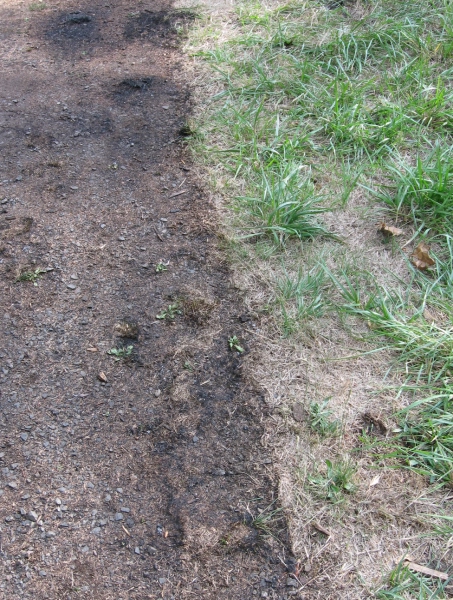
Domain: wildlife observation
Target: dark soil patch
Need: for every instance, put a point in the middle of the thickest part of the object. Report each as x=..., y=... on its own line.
x=140, y=474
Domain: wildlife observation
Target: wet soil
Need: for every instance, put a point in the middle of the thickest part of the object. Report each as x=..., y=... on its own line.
x=139, y=474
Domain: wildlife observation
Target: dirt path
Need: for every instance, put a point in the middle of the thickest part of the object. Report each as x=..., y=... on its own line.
x=144, y=485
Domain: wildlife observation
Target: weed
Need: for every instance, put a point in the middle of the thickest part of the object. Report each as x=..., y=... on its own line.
x=161, y=267
x=335, y=482
x=32, y=276
x=120, y=353
x=170, y=313
x=319, y=419
x=234, y=344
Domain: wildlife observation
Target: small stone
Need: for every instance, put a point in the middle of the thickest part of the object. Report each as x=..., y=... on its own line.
x=71, y=286
x=124, y=509
x=107, y=498
x=103, y=522
x=42, y=573
x=96, y=530
x=12, y=485
x=25, y=497
x=219, y=472
x=24, y=437
x=195, y=439
x=157, y=393
x=50, y=534
x=90, y=485
x=32, y=516
x=74, y=187
x=57, y=501
x=137, y=550
x=65, y=424
x=118, y=517
x=119, y=490
x=162, y=580
x=121, y=238
x=291, y=582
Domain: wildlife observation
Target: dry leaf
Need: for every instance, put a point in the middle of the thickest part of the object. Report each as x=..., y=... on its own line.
x=421, y=258
x=92, y=350
x=425, y=570
x=389, y=230
x=375, y=480
x=102, y=377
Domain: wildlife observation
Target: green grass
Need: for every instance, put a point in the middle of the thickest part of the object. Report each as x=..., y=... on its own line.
x=403, y=584
x=336, y=480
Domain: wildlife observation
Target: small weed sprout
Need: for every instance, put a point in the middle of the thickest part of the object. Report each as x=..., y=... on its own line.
x=32, y=276
x=161, y=267
x=170, y=313
x=120, y=353
x=337, y=481
x=234, y=344
x=319, y=419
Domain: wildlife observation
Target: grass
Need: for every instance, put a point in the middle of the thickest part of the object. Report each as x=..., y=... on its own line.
x=405, y=585
x=312, y=108
x=336, y=480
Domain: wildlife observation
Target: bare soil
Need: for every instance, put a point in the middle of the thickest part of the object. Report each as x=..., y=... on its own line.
x=141, y=477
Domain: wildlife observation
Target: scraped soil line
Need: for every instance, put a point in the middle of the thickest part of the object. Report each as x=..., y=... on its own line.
x=134, y=477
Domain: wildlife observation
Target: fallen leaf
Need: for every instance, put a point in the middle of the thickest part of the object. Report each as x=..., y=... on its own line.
x=388, y=230
x=375, y=480
x=429, y=315
x=421, y=258
x=92, y=350
x=102, y=377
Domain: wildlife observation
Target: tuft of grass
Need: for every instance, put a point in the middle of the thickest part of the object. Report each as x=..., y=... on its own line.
x=336, y=481
x=320, y=421
x=422, y=191
x=403, y=584
x=235, y=345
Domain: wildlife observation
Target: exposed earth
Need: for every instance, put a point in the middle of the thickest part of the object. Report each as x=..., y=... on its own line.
x=136, y=474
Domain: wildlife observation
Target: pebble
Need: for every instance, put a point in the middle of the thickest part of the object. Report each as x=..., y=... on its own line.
x=137, y=550
x=57, y=501
x=107, y=498
x=25, y=497
x=96, y=530
x=24, y=437
x=157, y=393
x=124, y=509
x=195, y=439
x=43, y=573
x=162, y=580
x=219, y=472
x=119, y=490
x=121, y=238
x=74, y=276
x=118, y=517
x=90, y=485
x=71, y=286
x=12, y=485
x=290, y=582
x=32, y=516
